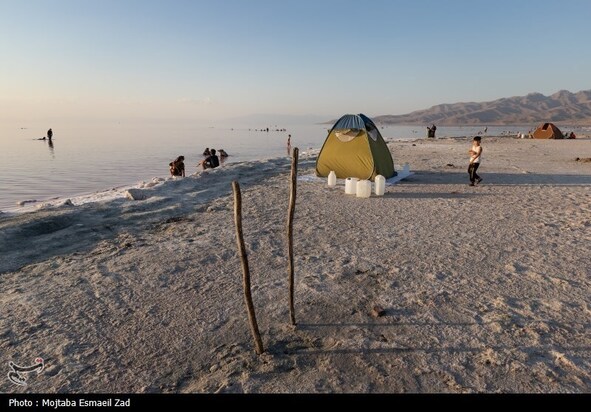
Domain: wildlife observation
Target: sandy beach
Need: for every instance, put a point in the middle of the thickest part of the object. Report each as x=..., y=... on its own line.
x=484, y=289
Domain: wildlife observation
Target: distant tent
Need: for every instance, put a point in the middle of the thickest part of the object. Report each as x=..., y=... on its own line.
x=548, y=131
x=354, y=147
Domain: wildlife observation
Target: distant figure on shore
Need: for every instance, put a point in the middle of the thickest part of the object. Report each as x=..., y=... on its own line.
x=288, y=144
x=475, y=153
x=212, y=161
x=49, y=134
x=485, y=129
x=177, y=167
x=431, y=131
x=223, y=153
x=206, y=152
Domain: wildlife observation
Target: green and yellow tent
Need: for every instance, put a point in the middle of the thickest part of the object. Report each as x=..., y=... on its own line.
x=354, y=147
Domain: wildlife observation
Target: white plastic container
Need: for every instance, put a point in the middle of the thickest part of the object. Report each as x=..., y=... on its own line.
x=332, y=179
x=363, y=188
x=406, y=169
x=351, y=185
x=380, y=185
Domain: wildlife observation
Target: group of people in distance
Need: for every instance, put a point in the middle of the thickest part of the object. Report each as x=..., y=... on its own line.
x=211, y=161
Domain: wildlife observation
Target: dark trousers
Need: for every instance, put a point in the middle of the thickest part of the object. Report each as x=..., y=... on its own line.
x=472, y=172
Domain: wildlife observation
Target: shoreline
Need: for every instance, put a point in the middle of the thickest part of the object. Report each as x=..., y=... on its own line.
x=116, y=192
x=484, y=289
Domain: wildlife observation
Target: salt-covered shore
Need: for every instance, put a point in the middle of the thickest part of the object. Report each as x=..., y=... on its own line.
x=484, y=288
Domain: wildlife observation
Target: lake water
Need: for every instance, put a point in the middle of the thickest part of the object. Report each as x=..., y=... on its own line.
x=84, y=160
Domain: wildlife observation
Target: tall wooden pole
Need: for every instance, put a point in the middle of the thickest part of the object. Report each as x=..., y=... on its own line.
x=254, y=328
x=290, y=213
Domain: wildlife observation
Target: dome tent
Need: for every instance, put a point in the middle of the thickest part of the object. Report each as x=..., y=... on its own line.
x=354, y=147
x=548, y=131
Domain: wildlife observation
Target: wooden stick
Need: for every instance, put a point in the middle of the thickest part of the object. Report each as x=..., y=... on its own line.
x=254, y=328
x=290, y=212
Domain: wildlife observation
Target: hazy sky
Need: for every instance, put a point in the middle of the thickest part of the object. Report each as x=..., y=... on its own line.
x=208, y=60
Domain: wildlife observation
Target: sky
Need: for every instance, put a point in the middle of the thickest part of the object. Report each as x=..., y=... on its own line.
x=210, y=60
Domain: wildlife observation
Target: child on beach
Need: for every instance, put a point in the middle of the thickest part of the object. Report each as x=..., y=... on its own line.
x=475, y=153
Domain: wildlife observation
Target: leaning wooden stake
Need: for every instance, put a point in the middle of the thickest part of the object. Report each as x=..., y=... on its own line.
x=290, y=212
x=254, y=328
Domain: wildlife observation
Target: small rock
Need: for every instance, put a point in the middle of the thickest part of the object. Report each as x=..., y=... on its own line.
x=135, y=194
x=378, y=312
x=67, y=202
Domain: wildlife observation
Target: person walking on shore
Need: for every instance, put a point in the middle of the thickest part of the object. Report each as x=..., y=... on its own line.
x=49, y=134
x=475, y=154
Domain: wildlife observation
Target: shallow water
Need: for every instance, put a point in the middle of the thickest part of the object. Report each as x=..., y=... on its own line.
x=83, y=161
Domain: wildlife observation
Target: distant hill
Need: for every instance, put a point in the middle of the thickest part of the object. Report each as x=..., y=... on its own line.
x=562, y=107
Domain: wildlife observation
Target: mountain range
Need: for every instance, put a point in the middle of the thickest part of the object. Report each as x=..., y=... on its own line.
x=562, y=107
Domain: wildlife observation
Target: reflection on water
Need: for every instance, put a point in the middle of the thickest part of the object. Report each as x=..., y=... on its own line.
x=50, y=145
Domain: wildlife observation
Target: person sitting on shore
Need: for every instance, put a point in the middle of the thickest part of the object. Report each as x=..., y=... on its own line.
x=177, y=167
x=210, y=162
x=223, y=153
x=207, y=152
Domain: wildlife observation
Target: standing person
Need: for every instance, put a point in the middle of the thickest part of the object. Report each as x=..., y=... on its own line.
x=49, y=134
x=431, y=131
x=475, y=154
x=177, y=166
x=288, y=144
